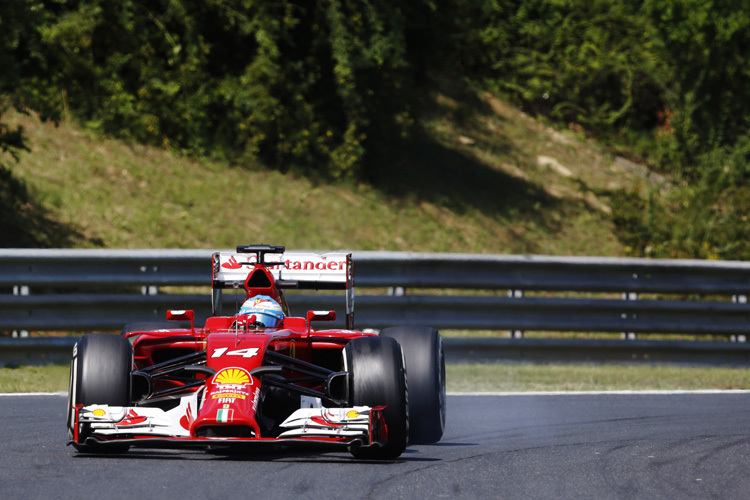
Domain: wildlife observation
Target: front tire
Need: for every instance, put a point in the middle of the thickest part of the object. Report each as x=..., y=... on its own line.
x=425, y=365
x=377, y=377
x=99, y=374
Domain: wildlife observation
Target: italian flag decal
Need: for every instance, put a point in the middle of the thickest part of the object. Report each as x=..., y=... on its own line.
x=224, y=415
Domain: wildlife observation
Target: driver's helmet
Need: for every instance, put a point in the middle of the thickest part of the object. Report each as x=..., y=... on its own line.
x=266, y=312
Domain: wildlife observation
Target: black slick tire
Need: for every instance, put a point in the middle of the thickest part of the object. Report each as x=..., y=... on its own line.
x=99, y=374
x=425, y=367
x=377, y=377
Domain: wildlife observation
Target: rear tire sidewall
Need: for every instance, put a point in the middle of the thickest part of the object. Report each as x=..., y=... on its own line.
x=425, y=366
x=99, y=374
x=377, y=377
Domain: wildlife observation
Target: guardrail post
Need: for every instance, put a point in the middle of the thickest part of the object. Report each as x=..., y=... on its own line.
x=739, y=299
x=629, y=335
x=20, y=290
x=515, y=294
x=149, y=289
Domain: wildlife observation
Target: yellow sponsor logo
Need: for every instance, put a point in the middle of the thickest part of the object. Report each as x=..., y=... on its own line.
x=98, y=412
x=228, y=395
x=352, y=414
x=232, y=376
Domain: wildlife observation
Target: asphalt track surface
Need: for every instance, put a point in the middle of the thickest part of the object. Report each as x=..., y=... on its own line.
x=599, y=446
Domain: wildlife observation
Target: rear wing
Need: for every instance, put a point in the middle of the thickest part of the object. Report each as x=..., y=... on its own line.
x=290, y=270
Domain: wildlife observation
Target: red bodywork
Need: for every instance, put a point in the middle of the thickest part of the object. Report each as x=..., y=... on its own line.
x=240, y=383
x=234, y=355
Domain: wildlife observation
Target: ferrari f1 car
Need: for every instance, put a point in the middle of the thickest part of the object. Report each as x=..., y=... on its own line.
x=260, y=378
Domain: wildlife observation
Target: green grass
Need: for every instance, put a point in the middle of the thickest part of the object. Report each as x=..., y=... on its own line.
x=563, y=377
x=487, y=378
x=48, y=378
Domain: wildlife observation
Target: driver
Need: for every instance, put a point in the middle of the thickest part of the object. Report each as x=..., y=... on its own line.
x=260, y=311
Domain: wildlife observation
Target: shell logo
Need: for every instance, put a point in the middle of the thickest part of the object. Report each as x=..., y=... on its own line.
x=232, y=376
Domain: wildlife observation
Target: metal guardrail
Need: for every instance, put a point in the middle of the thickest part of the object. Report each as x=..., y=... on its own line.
x=81, y=268
x=87, y=268
x=550, y=273
x=47, y=272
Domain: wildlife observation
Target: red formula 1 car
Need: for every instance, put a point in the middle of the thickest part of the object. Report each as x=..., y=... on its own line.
x=260, y=378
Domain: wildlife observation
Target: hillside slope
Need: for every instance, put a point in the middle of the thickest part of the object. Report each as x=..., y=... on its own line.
x=483, y=177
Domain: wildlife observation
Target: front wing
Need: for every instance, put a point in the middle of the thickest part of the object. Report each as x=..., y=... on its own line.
x=153, y=427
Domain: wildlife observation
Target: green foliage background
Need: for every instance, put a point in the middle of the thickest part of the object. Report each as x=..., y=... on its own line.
x=325, y=87
x=295, y=84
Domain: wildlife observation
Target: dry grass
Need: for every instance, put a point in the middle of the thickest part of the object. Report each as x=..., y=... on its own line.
x=477, y=186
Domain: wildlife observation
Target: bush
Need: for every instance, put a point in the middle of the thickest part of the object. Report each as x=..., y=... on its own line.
x=294, y=84
x=584, y=64
x=705, y=46
x=707, y=219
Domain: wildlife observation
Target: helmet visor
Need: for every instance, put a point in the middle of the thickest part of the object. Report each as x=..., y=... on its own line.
x=267, y=320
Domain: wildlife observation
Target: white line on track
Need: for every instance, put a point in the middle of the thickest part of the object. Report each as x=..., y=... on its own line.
x=591, y=393
x=531, y=393
x=61, y=393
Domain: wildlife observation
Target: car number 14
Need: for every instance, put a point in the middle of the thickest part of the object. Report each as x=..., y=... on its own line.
x=245, y=353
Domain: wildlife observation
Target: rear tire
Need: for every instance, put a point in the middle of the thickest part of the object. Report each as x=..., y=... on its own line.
x=99, y=374
x=425, y=366
x=377, y=377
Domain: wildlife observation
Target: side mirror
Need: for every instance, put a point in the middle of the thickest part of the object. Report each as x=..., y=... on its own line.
x=321, y=316
x=181, y=315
